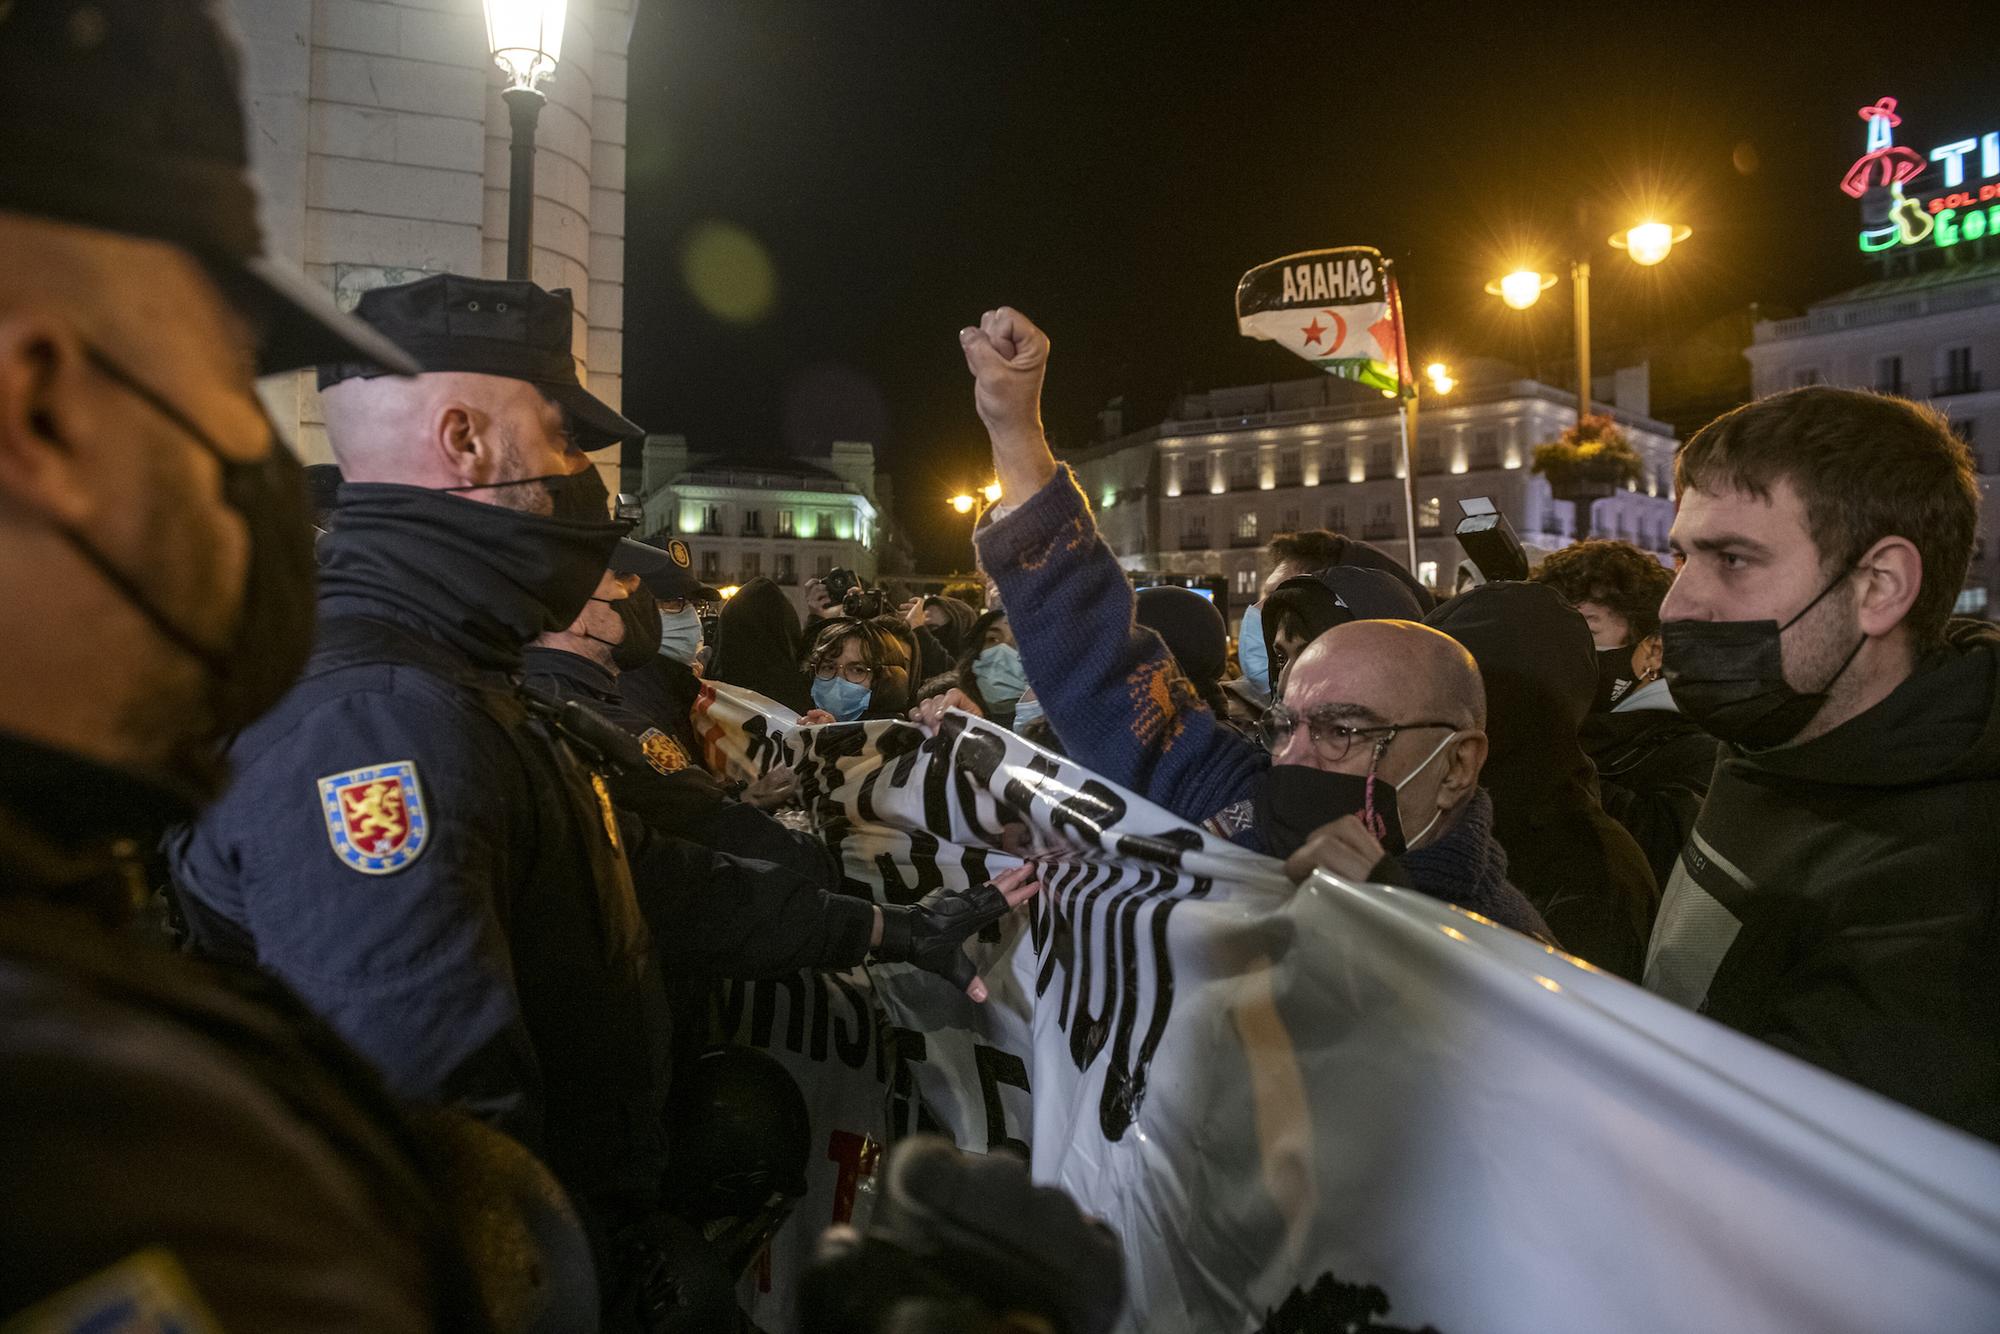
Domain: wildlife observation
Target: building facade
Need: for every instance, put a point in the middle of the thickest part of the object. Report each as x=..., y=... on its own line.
x=787, y=519
x=1205, y=490
x=379, y=143
x=1932, y=336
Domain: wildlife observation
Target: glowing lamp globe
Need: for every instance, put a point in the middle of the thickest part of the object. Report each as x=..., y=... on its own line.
x=992, y=493
x=525, y=37
x=1522, y=288
x=1650, y=242
x=963, y=504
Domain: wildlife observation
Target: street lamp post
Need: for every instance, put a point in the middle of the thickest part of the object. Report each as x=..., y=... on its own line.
x=525, y=37
x=1647, y=243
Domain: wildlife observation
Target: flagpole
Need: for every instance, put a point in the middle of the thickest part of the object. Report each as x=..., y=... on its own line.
x=1406, y=412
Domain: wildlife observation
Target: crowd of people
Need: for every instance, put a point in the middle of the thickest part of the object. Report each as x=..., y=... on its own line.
x=365, y=886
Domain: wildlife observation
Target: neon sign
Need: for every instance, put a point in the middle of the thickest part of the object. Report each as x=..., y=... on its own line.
x=1909, y=197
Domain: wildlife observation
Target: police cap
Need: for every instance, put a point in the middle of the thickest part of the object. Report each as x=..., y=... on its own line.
x=488, y=326
x=664, y=570
x=124, y=115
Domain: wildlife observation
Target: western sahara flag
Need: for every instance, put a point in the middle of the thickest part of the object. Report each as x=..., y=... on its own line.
x=1338, y=309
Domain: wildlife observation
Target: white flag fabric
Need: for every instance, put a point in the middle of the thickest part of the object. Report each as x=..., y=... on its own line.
x=1346, y=1106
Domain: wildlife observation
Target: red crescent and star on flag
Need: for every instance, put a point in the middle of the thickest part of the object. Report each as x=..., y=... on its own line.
x=1315, y=331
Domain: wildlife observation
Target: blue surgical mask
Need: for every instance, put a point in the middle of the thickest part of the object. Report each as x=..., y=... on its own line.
x=680, y=635
x=1027, y=710
x=999, y=674
x=842, y=698
x=1250, y=651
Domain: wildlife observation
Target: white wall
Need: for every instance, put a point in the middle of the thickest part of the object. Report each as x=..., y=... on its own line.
x=379, y=142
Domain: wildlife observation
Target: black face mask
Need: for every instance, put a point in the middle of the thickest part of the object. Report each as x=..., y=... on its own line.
x=1615, y=678
x=1296, y=799
x=274, y=624
x=639, y=624
x=578, y=496
x=1729, y=677
x=640, y=616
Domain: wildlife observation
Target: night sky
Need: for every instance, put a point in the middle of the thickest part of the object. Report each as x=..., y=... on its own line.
x=821, y=193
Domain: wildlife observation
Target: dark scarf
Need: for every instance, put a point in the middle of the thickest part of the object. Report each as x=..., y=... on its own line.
x=73, y=830
x=474, y=576
x=1468, y=868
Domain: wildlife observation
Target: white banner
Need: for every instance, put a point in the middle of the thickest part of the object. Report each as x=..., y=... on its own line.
x=1354, y=1107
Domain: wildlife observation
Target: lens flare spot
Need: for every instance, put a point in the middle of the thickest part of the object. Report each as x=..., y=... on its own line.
x=729, y=272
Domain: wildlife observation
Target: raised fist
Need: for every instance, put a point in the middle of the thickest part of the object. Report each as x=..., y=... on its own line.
x=1007, y=355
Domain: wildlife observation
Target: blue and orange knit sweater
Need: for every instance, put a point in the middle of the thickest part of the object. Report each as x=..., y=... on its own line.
x=1110, y=688
x=1122, y=707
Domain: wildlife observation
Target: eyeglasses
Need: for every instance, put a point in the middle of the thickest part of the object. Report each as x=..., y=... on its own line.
x=1331, y=738
x=860, y=673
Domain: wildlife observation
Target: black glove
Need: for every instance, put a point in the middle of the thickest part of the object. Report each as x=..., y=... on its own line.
x=931, y=932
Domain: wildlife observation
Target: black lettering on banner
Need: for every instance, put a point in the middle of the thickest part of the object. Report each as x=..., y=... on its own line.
x=764, y=998
x=762, y=750
x=907, y=1112
x=1090, y=811
x=852, y=1049
x=975, y=762
x=997, y=1067
x=902, y=744
x=923, y=857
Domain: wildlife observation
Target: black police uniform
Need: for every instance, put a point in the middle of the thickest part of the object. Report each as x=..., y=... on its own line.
x=764, y=912
x=663, y=692
x=173, y=1140
x=415, y=846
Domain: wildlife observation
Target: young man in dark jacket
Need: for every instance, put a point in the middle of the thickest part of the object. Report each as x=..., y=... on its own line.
x=1837, y=897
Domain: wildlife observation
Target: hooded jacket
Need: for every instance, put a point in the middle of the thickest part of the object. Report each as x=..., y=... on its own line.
x=1652, y=771
x=1334, y=596
x=1837, y=898
x=954, y=636
x=1575, y=863
x=758, y=645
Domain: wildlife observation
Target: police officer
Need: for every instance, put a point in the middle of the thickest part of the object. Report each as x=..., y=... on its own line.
x=722, y=915
x=179, y=1152
x=411, y=843
x=663, y=686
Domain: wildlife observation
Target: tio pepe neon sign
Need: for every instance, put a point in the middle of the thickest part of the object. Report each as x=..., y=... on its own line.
x=1942, y=203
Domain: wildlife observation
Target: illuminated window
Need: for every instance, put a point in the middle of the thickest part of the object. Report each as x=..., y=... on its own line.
x=1428, y=512
x=1427, y=573
x=1971, y=602
x=784, y=523
x=1247, y=581
x=1246, y=526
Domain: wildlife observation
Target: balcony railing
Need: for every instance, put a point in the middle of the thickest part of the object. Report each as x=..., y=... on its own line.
x=1194, y=541
x=1962, y=382
x=1244, y=540
x=1291, y=479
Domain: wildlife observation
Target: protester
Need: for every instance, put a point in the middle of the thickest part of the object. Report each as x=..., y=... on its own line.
x=1652, y=764
x=1836, y=898
x=1579, y=868
x=170, y=1129
x=758, y=645
x=860, y=669
x=1379, y=726
x=950, y=619
x=1302, y=608
x=990, y=670
x=1309, y=552
x=1193, y=631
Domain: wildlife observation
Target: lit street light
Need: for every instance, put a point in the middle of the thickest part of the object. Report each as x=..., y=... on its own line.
x=1521, y=288
x=729, y=591
x=525, y=37
x=1647, y=243
x=992, y=493
x=962, y=503
x=1650, y=242
x=1439, y=375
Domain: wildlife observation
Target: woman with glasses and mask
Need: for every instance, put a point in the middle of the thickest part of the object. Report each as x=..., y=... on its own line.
x=859, y=670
